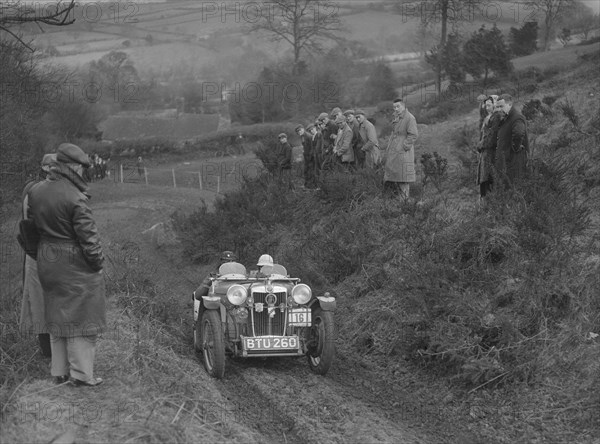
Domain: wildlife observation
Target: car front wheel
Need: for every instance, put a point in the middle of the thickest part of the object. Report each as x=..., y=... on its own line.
x=213, y=344
x=321, y=341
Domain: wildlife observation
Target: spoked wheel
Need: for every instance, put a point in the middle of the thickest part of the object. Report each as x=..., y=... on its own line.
x=321, y=341
x=213, y=344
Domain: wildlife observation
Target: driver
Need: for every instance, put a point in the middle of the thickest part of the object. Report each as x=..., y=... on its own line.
x=203, y=289
x=263, y=260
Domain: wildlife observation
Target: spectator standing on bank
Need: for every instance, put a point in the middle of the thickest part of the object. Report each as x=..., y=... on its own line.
x=284, y=160
x=487, y=147
x=70, y=262
x=309, y=157
x=370, y=143
x=33, y=319
x=400, y=153
x=140, y=166
x=513, y=144
x=357, y=143
x=316, y=141
x=343, y=144
x=329, y=131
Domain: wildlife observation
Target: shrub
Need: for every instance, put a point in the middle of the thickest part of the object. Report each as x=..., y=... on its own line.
x=435, y=169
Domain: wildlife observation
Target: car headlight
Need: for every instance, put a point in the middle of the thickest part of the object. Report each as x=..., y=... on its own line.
x=237, y=294
x=301, y=293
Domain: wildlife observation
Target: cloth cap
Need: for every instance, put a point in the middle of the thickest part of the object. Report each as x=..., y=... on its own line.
x=323, y=116
x=228, y=256
x=282, y=135
x=340, y=119
x=265, y=259
x=69, y=153
x=359, y=111
x=299, y=127
x=335, y=111
x=310, y=126
x=48, y=160
x=348, y=111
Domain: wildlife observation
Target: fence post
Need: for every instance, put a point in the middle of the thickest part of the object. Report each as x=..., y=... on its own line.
x=174, y=183
x=218, y=184
x=146, y=175
x=200, y=180
x=121, y=171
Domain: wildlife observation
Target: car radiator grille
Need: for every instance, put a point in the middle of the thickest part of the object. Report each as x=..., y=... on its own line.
x=261, y=320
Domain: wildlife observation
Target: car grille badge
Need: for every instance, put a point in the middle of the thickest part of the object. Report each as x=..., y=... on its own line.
x=259, y=306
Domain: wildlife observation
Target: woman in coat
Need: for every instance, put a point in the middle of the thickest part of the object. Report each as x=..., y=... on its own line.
x=487, y=147
x=32, y=319
x=399, y=169
x=70, y=263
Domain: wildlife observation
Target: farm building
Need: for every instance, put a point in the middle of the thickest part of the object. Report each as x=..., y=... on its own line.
x=178, y=127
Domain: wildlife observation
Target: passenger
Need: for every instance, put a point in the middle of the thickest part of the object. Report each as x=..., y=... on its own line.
x=204, y=288
x=263, y=261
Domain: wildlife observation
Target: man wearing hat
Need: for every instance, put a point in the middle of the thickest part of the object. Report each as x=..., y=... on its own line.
x=309, y=157
x=284, y=160
x=70, y=262
x=329, y=131
x=368, y=135
x=32, y=319
x=399, y=169
x=343, y=143
x=359, y=155
x=316, y=143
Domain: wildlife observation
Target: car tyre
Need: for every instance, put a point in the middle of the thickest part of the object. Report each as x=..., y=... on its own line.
x=322, y=335
x=213, y=344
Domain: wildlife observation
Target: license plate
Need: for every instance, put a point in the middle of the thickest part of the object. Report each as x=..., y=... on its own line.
x=299, y=317
x=271, y=343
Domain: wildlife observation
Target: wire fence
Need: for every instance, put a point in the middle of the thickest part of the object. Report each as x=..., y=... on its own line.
x=218, y=177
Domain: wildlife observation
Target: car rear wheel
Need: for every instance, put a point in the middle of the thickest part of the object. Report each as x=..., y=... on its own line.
x=213, y=345
x=321, y=342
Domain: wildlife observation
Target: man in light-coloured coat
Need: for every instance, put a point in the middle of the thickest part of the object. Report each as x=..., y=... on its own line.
x=70, y=262
x=368, y=134
x=400, y=153
x=343, y=143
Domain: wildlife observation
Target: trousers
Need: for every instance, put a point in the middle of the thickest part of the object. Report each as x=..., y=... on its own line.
x=73, y=356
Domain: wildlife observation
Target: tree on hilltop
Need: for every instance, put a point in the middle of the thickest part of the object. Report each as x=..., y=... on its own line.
x=304, y=24
x=523, y=41
x=485, y=52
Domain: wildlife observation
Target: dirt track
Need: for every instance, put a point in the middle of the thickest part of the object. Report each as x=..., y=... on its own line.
x=280, y=399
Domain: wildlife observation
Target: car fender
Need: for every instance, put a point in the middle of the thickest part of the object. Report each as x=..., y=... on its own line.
x=211, y=302
x=327, y=303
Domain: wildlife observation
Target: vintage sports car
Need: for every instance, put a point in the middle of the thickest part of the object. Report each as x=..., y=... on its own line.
x=262, y=315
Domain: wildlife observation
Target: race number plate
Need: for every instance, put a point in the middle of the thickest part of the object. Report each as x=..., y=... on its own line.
x=271, y=343
x=299, y=317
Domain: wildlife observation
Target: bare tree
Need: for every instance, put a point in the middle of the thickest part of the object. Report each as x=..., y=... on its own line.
x=17, y=13
x=304, y=24
x=553, y=10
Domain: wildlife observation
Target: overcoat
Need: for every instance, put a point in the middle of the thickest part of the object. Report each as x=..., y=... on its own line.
x=512, y=148
x=400, y=152
x=70, y=256
x=32, y=320
x=487, y=148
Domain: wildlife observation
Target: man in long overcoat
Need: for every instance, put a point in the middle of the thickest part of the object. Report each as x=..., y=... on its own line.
x=399, y=169
x=368, y=134
x=513, y=144
x=308, y=157
x=70, y=262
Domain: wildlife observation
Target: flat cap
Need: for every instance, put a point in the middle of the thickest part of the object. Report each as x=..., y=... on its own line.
x=360, y=111
x=282, y=135
x=336, y=110
x=69, y=153
x=323, y=116
x=310, y=126
x=298, y=127
x=349, y=111
x=340, y=119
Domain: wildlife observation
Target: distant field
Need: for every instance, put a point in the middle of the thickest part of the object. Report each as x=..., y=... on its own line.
x=557, y=57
